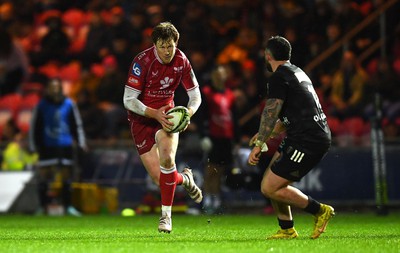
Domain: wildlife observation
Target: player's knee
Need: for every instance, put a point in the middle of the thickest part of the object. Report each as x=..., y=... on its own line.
x=167, y=163
x=266, y=191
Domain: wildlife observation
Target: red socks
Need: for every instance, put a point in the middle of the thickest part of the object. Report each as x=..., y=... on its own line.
x=168, y=181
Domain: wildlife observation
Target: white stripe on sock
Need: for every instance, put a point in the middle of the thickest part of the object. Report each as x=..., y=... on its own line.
x=167, y=171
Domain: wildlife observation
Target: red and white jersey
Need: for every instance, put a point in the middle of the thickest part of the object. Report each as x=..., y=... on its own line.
x=156, y=82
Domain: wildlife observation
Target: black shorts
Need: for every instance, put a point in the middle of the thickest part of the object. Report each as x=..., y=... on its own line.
x=295, y=162
x=221, y=151
x=51, y=156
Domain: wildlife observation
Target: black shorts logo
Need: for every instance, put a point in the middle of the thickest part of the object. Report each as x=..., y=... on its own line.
x=297, y=156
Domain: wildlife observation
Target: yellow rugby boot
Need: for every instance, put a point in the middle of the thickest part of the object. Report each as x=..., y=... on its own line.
x=321, y=220
x=289, y=233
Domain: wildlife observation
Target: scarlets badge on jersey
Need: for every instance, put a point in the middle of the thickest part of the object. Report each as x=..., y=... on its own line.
x=136, y=69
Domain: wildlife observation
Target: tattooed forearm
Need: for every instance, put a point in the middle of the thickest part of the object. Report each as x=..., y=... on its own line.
x=269, y=117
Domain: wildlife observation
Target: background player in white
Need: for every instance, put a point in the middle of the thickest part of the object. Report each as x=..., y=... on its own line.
x=153, y=78
x=292, y=106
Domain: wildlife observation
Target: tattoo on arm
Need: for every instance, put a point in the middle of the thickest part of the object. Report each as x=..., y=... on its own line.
x=269, y=117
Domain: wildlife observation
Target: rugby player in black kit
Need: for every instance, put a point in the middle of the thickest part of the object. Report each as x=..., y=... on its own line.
x=292, y=106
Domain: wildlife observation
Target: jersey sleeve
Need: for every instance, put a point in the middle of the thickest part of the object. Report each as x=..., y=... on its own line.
x=136, y=76
x=277, y=87
x=189, y=79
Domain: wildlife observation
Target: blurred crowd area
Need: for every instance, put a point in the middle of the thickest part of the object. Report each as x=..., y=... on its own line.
x=90, y=44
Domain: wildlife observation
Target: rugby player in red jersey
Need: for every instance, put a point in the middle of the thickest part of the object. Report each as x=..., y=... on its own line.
x=153, y=77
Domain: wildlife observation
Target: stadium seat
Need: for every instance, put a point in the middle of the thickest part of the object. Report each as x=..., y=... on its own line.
x=354, y=126
x=70, y=72
x=50, y=70
x=24, y=111
x=74, y=18
x=32, y=87
x=8, y=108
x=75, y=21
x=334, y=125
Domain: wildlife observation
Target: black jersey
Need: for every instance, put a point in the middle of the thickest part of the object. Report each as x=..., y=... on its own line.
x=301, y=113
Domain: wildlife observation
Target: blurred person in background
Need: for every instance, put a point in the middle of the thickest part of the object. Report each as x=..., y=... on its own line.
x=55, y=43
x=109, y=98
x=348, y=87
x=14, y=64
x=384, y=81
x=292, y=105
x=220, y=102
x=15, y=156
x=55, y=125
x=98, y=40
x=153, y=77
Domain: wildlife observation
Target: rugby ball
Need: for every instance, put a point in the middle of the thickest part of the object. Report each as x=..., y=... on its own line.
x=180, y=119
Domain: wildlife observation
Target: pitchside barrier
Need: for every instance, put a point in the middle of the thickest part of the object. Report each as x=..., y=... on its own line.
x=345, y=177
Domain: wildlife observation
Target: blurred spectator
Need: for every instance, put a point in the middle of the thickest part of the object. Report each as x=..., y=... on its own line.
x=332, y=35
x=346, y=14
x=109, y=93
x=98, y=40
x=54, y=44
x=224, y=20
x=155, y=14
x=220, y=102
x=56, y=124
x=202, y=65
x=92, y=116
x=7, y=15
x=121, y=50
x=323, y=87
x=319, y=17
x=384, y=81
x=15, y=155
x=348, y=87
x=292, y=13
x=13, y=64
x=137, y=19
x=239, y=49
x=120, y=27
x=194, y=21
x=299, y=45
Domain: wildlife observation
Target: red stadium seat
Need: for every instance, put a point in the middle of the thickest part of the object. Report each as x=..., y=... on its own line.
x=75, y=21
x=51, y=70
x=24, y=111
x=354, y=126
x=334, y=125
x=8, y=108
x=71, y=72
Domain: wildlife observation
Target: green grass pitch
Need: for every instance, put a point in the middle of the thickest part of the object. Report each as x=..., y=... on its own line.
x=347, y=232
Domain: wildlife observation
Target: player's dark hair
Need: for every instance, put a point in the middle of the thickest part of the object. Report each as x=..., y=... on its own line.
x=164, y=31
x=280, y=48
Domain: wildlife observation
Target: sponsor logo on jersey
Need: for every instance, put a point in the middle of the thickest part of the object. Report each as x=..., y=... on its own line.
x=132, y=80
x=141, y=56
x=178, y=69
x=318, y=117
x=136, y=69
x=166, y=82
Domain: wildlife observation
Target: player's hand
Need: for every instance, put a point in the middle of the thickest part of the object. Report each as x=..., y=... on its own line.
x=161, y=116
x=254, y=156
x=184, y=129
